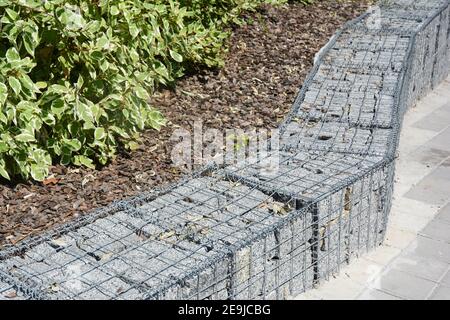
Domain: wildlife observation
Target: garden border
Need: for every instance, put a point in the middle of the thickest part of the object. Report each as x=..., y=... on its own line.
x=330, y=236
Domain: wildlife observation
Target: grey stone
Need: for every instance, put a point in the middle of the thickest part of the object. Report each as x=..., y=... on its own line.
x=278, y=264
x=336, y=136
x=376, y=109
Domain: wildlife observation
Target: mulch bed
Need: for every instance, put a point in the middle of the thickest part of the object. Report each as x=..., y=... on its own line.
x=267, y=62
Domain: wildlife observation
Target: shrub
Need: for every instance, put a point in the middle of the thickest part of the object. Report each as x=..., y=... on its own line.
x=76, y=75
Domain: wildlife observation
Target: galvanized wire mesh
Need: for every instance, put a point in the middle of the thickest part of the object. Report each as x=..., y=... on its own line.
x=258, y=229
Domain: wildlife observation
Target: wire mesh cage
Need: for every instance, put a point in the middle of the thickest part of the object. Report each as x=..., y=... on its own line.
x=273, y=225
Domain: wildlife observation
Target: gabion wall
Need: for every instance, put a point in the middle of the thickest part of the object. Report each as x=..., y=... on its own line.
x=246, y=230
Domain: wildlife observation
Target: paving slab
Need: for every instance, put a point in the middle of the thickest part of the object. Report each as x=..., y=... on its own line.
x=446, y=279
x=437, y=121
x=441, y=293
x=426, y=268
x=430, y=156
x=441, y=140
x=433, y=188
x=430, y=248
x=444, y=214
x=398, y=238
x=438, y=230
x=404, y=285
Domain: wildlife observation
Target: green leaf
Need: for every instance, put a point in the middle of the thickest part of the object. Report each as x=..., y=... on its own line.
x=73, y=144
x=3, y=147
x=58, y=89
x=28, y=83
x=102, y=42
x=120, y=132
x=156, y=120
x=142, y=93
x=134, y=55
x=3, y=93
x=134, y=31
x=99, y=134
x=25, y=136
x=12, y=14
x=12, y=55
x=41, y=84
x=38, y=171
x=58, y=107
x=84, y=112
x=65, y=159
x=161, y=69
x=4, y=3
x=97, y=55
x=3, y=119
x=3, y=171
x=83, y=161
x=133, y=145
x=114, y=11
x=49, y=119
x=29, y=43
x=176, y=56
x=15, y=85
x=104, y=66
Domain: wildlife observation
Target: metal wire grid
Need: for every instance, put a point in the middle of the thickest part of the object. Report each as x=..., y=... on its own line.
x=11, y=290
x=237, y=232
x=414, y=4
x=127, y=254
x=300, y=175
x=7, y=290
x=432, y=52
x=357, y=226
x=111, y=254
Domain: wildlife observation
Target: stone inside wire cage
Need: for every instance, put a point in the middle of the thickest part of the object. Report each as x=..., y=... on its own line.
x=274, y=225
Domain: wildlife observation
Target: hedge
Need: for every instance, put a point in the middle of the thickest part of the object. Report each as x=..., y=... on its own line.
x=75, y=76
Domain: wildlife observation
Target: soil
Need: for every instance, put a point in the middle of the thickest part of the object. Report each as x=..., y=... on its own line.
x=268, y=59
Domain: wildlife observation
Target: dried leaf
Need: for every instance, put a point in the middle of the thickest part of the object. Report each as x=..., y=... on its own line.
x=50, y=180
x=278, y=208
x=87, y=179
x=11, y=295
x=120, y=290
x=166, y=235
x=29, y=195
